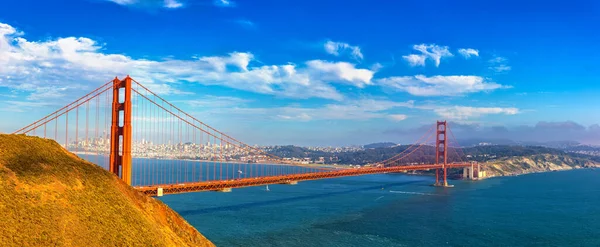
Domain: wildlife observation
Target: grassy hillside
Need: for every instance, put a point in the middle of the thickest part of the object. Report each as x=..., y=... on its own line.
x=50, y=197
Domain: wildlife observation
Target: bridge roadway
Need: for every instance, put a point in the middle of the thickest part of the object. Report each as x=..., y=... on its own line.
x=284, y=179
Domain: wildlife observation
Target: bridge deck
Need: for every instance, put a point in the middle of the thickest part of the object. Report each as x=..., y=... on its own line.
x=257, y=181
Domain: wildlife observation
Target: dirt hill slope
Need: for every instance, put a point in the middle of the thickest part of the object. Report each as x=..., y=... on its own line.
x=50, y=197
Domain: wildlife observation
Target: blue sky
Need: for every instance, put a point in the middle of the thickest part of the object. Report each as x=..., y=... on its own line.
x=317, y=72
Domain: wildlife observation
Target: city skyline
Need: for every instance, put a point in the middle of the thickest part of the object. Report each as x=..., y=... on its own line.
x=373, y=73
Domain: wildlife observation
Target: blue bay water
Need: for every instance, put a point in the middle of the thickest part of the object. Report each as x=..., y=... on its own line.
x=545, y=209
x=168, y=171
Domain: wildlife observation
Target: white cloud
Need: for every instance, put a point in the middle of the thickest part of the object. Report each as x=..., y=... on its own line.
x=22, y=106
x=498, y=60
x=499, y=64
x=468, y=52
x=246, y=23
x=431, y=51
x=212, y=101
x=55, y=64
x=338, y=48
x=340, y=71
x=169, y=4
x=172, y=4
x=123, y=2
x=421, y=85
x=500, y=68
x=467, y=112
x=364, y=109
x=376, y=67
x=415, y=60
x=224, y=3
x=398, y=117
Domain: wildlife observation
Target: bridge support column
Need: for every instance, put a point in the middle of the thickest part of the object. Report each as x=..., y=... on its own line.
x=120, y=130
x=469, y=172
x=441, y=155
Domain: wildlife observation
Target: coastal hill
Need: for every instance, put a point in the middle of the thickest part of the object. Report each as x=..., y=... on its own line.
x=50, y=197
x=517, y=165
x=380, y=145
x=497, y=160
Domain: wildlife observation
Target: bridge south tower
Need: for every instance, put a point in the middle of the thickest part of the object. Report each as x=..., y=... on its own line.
x=120, y=130
x=441, y=154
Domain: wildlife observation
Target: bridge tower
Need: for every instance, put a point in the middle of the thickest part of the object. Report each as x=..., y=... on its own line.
x=441, y=155
x=120, y=130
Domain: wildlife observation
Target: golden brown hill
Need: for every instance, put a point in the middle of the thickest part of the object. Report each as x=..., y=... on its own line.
x=50, y=197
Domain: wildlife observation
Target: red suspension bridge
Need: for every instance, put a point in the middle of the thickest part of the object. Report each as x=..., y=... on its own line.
x=157, y=148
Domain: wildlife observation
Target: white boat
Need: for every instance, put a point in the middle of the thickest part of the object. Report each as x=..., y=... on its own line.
x=267, y=189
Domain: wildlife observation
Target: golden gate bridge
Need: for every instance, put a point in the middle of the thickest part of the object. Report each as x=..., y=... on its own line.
x=158, y=148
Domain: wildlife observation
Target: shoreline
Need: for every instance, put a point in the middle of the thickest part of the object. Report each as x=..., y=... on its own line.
x=508, y=175
x=210, y=161
x=539, y=172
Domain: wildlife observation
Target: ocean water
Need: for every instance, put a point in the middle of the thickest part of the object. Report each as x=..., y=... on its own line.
x=545, y=209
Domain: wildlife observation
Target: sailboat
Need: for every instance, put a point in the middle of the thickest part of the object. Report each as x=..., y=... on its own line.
x=267, y=189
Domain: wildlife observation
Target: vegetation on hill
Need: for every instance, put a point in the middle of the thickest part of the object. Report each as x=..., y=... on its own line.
x=50, y=197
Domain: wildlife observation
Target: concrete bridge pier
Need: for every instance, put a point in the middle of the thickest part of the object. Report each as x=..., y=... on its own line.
x=290, y=182
x=473, y=172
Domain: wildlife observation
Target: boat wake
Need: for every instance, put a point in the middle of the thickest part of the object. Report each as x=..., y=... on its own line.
x=412, y=193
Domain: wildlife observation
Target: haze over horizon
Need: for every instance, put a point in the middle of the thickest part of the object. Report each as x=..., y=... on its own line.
x=317, y=73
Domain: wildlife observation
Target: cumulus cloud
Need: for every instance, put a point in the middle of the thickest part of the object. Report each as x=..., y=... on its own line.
x=224, y=3
x=468, y=112
x=534, y=134
x=338, y=48
x=421, y=85
x=54, y=64
x=340, y=71
x=362, y=109
x=468, y=52
x=23, y=106
x=123, y=2
x=499, y=64
x=432, y=51
x=212, y=101
x=353, y=110
x=170, y=4
x=398, y=117
x=415, y=60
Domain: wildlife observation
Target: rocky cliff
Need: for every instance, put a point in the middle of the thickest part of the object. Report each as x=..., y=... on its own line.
x=517, y=165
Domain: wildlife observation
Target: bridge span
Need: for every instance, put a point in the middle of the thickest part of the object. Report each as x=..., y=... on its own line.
x=224, y=185
x=123, y=119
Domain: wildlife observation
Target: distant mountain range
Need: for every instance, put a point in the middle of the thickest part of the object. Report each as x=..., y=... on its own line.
x=383, y=151
x=565, y=145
